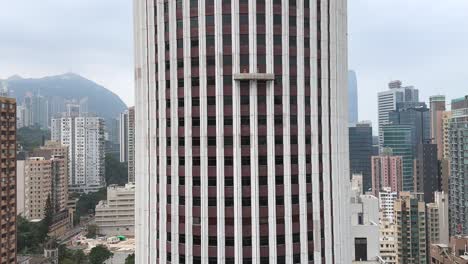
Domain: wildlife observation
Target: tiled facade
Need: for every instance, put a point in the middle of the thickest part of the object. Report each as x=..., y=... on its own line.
x=8, y=180
x=241, y=131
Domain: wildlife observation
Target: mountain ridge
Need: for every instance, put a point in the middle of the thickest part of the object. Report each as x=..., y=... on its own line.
x=69, y=86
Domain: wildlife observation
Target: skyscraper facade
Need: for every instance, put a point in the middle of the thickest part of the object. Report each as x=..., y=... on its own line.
x=400, y=138
x=352, y=98
x=123, y=136
x=437, y=108
x=241, y=144
x=131, y=144
x=8, y=180
x=83, y=134
x=388, y=100
x=458, y=187
x=360, y=151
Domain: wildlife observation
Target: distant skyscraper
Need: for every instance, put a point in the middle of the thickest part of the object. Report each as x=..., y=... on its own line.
x=458, y=180
x=410, y=222
x=445, y=163
x=84, y=135
x=241, y=146
x=400, y=139
x=388, y=100
x=426, y=171
x=352, y=98
x=8, y=180
x=437, y=106
x=387, y=171
x=131, y=144
x=36, y=111
x=123, y=136
x=361, y=151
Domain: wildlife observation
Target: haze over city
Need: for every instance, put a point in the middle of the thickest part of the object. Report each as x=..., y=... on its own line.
x=388, y=39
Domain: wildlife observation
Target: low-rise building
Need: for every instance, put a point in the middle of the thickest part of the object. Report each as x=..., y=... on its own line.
x=116, y=215
x=364, y=224
x=455, y=252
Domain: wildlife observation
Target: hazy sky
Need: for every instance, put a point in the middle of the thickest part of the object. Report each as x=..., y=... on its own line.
x=421, y=42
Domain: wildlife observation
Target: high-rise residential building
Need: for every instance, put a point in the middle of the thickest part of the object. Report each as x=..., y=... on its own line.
x=131, y=144
x=353, y=114
x=83, y=134
x=437, y=109
x=426, y=171
x=399, y=138
x=387, y=171
x=8, y=180
x=123, y=136
x=360, y=151
x=36, y=111
x=241, y=145
x=387, y=199
x=116, y=215
x=438, y=219
x=45, y=179
x=458, y=188
x=127, y=141
x=445, y=162
x=410, y=224
x=388, y=242
x=388, y=100
x=364, y=225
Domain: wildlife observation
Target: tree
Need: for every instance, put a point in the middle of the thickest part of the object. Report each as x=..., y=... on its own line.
x=93, y=231
x=32, y=137
x=99, y=254
x=87, y=202
x=130, y=259
x=116, y=172
x=67, y=256
x=31, y=236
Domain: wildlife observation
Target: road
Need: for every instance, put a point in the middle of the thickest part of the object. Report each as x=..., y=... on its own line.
x=69, y=235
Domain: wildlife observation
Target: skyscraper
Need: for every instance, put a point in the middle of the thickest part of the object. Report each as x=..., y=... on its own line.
x=131, y=144
x=360, y=151
x=388, y=100
x=241, y=145
x=123, y=136
x=438, y=219
x=400, y=138
x=458, y=188
x=437, y=106
x=352, y=98
x=8, y=180
x=83, y=134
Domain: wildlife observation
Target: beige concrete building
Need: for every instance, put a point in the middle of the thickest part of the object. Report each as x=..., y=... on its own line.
x=45, y=176
x=438, y=219
x=445, y=162
x=387, y=242
x=116, y=215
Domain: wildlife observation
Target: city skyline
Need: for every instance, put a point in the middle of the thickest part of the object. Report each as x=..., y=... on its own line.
x=393, y=47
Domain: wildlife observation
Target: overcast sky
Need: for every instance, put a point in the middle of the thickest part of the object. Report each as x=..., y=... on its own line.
x=421, y=42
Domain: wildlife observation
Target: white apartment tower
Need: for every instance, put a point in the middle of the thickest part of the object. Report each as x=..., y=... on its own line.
x=84, y=135
x=241, y=131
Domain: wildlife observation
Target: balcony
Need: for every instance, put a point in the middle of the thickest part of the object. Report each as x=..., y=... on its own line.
x=254, y=77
